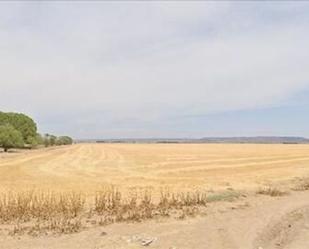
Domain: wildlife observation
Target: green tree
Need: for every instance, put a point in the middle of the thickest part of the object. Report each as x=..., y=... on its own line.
x=27, y=129
x=10, y=137
x=33, y=142
x=39, y=139
x=64, y=140
x=46, y=140
x=49, y=140
x=22, y=123
x=52, y=140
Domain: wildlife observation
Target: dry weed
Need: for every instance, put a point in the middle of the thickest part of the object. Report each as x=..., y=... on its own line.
x=302, y=185
x=271, y=191
x=37, y=212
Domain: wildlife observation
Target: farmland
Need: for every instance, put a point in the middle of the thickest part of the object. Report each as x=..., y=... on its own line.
x=260, y=189
x=181, y=166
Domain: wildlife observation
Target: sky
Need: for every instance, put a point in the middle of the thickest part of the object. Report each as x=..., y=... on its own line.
x=157, y=69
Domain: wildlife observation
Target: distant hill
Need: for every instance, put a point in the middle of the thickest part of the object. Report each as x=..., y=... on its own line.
x=263, y=140
x=237, y=140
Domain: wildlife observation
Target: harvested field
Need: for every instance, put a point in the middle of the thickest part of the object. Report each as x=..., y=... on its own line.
x=168, y=195
x=87, y=167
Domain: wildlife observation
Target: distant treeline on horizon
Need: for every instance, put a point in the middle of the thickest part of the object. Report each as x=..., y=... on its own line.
x=237, y=140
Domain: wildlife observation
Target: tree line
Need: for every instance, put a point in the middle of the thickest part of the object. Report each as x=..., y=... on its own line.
x=18, y=130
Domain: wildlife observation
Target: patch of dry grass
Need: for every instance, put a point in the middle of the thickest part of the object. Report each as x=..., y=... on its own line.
x=228, y=195
x=301, y=185
x=113, y=207
x=271, y=191
x=27, y=205
x=38, y=212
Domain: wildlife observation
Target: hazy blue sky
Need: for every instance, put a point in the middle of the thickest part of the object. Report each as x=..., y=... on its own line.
x=157, y=69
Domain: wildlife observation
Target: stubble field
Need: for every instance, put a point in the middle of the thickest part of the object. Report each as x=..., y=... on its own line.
x=87, y=167
x=189, y=196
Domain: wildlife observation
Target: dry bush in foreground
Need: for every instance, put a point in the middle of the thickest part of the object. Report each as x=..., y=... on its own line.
x=37, y=212
x=24, y=206
x=271, y=191
x=114, y=207
x=41, y=211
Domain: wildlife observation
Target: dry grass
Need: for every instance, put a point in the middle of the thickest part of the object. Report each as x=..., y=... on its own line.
x=301, y=185
x=114, y=208
x=35, y=212
x=271, y=191
x=24, y=206
x=228, y=195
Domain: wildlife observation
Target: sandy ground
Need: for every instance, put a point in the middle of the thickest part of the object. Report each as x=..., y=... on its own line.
x=254, y=221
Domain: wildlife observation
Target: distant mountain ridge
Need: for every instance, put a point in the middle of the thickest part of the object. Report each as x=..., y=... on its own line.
x=237, y=140
x=258, y=139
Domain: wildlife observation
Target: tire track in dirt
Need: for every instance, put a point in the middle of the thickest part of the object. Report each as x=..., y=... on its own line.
x=278, y=234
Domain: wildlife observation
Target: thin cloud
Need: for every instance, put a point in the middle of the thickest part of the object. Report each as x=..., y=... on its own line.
x=117, y=68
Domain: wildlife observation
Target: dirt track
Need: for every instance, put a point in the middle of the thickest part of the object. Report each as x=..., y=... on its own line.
x=251, y=222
